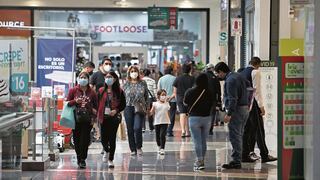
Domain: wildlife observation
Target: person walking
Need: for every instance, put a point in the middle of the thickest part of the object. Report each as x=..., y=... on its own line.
x=160, y=110
x=199, y=100
x=85, y=101
x=180, y=86
x=111, y=102
x=254, y=129
x=166, y=83
x=152, y=91
x=237, y=110
x=136, y=92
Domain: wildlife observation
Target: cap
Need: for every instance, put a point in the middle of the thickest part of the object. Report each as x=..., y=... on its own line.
x=208, y=66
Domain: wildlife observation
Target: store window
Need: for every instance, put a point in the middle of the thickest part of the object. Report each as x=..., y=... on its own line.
x=124, y=36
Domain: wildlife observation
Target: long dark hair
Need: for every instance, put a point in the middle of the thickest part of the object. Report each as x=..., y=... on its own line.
x=116, y=84
x=202, y=81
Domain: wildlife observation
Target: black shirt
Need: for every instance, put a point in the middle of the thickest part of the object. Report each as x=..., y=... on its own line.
x=97, y=80
x=183, y=83
x=204, y=104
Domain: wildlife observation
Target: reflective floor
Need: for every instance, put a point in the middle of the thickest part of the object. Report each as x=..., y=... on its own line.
x=177, y=163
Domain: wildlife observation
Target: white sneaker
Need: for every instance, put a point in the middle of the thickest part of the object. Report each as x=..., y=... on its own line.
x=139, y=152
x=133, y=153
x=161, y=152
x=110, y=164
x=105, y=157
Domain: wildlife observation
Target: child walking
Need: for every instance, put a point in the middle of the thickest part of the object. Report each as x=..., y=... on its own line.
x=161, y=119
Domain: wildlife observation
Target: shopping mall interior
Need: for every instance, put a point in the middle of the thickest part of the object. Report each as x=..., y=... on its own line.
x=45, y=46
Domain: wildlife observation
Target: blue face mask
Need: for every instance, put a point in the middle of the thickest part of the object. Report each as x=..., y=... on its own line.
x=109, y=81
x=83, y=82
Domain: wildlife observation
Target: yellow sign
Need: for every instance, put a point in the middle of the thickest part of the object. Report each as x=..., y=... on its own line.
x=291, y=47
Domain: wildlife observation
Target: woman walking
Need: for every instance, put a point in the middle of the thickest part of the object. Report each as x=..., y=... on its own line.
x=136, y=93
x=85, y=101
x=111, y=102
x=199, y=101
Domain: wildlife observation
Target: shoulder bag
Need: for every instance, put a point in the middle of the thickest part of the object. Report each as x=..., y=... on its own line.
x=195, y=102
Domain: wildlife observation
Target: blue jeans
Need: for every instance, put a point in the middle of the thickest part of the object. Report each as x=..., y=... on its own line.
x=199, y=127
x=134, y=128
x=236, y=128
x=172, y=115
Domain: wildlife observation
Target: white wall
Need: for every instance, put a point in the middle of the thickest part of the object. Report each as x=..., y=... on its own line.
x=214, y=6
x=262, y=27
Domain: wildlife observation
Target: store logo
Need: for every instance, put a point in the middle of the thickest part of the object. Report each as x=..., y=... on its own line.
x=11, y=23
x=121, y=29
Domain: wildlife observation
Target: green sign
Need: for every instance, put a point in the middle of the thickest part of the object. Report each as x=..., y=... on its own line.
x=19, y=82
x=291, y=47
x=162, y=18
x=223, y=38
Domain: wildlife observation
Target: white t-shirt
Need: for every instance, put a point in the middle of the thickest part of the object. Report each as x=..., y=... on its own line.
x=161, y=113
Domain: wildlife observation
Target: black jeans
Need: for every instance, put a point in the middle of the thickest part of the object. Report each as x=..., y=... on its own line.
x=161, y=130
x=172, y=115
x=81, y=138
x=254, y=132
x=109, y=129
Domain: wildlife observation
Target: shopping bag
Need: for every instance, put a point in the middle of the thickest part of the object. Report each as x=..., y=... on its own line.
x=67, y=116
x=122, y=131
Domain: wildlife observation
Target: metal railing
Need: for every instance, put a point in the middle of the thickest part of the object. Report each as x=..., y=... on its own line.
x=9, y=120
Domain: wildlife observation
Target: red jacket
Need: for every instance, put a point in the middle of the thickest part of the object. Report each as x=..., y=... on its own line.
x=89, y=98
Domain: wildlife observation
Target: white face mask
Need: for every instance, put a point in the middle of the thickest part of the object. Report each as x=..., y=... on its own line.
x=134, y=75
x=163, y=98
x=107, y=68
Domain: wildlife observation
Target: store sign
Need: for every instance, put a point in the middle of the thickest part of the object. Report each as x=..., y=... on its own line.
x=162, y=18
x=236, y=26
x=13, y=67
x=124, y=28
x=223, y=38
x=299, y=2
x=291, y=47
x=14, y=18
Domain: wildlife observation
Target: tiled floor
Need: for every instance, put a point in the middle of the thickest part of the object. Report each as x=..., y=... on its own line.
x=177, y=163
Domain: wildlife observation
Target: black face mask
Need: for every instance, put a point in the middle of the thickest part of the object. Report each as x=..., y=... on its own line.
x=90, y=73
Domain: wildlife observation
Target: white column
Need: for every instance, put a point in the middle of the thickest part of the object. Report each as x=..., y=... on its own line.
x=285, y=21
x=262, y=29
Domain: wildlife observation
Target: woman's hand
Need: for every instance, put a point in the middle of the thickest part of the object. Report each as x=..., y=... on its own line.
x=113, y=113
x=94, y=111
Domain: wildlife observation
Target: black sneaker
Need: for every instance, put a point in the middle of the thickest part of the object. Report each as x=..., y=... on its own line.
x=170, y=135
x=269, y=159
x=248, y=159
x=82, y=165
x=232, y=165
x=198, y=165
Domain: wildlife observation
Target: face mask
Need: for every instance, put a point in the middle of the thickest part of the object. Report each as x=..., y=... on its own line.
x=134, y=75
x=109, y=81
x=107, y=68
x=163, y=98
x=90, y=73
x=83, y=82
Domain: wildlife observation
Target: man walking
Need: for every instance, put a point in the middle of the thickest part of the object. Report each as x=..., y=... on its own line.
x=236, y=104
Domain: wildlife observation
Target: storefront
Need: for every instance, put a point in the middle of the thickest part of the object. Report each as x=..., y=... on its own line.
x=124, y=36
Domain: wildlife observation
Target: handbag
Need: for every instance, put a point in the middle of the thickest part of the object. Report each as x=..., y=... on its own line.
x=140, y=108
x=82, y=115
x=195, y=102
x=67, y=117
x=153, y=99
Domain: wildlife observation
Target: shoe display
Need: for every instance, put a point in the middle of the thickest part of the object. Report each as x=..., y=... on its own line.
x=269, y=159
x=198, y=165
x=232, y=165
x=139, y=152
x=110, y=164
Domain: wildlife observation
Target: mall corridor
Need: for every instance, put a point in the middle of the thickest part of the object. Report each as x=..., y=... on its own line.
x=177, y=163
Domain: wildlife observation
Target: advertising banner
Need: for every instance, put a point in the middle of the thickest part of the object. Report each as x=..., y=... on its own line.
x=54, y=62
x=14, y=67
x=162, y=17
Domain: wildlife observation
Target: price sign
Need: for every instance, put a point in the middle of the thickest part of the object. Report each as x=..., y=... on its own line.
x=19, y=83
